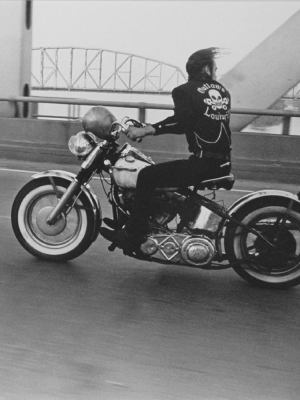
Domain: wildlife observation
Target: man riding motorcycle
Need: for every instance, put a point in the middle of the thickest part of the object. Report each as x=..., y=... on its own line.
x=202, y=113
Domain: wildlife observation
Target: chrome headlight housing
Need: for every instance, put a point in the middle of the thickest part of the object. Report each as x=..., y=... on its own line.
x=82, y=144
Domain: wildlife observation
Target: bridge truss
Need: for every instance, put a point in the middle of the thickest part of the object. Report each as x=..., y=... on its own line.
x=89, y=69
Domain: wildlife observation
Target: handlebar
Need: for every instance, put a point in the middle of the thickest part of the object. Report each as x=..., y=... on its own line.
x=123, y=126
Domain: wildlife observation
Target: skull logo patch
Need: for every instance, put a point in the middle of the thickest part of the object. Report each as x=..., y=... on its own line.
x=216, y=101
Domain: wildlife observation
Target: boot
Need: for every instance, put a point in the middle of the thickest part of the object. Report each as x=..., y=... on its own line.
x=109, y=222
x=123, y=238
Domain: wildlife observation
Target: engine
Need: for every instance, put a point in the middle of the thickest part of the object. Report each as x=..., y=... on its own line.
x=183, y=247
x=176, y=248
x=165, y=207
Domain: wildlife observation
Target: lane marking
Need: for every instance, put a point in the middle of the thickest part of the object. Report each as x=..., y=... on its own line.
x=238, y=190
x=17, y=170
x=96, y=177
x=30, y=172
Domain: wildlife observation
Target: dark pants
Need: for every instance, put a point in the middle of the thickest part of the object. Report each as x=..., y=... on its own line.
x=179, y=173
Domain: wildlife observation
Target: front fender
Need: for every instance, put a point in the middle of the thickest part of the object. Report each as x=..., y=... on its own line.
x=88, y=191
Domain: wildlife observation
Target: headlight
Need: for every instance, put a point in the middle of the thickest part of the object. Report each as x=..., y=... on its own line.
x=82, y=144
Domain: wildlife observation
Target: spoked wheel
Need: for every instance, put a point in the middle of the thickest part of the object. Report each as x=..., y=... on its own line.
x=276, y=265
x=69, y=237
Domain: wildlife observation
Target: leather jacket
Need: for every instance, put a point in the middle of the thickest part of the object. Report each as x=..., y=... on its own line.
x=202, y=113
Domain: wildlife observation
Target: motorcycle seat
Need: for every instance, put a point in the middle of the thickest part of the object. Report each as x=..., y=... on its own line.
x=223, y=182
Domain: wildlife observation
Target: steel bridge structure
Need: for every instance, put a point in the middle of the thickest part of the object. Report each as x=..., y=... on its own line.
x=93, y=70
x=89, y=69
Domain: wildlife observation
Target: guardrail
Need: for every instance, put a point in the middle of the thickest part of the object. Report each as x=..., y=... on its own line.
x=141, y=106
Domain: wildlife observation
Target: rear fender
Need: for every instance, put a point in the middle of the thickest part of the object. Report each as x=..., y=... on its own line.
x=255, y=196
x=87, y=190
x=261, y=194
x=245, y=201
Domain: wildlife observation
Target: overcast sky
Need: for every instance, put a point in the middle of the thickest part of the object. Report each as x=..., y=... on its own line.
x=167, y=31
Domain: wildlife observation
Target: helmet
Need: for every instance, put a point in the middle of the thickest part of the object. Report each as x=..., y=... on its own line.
x=98, y=120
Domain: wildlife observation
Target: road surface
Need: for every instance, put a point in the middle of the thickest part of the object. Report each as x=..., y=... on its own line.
x=108, y=327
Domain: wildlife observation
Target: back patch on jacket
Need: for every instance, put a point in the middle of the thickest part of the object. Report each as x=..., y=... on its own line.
x=217, y=101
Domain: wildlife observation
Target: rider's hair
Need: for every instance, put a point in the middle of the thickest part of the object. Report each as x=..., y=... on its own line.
x=199, y=60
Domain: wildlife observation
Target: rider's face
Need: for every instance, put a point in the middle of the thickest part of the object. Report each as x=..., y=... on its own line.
x=214, y=71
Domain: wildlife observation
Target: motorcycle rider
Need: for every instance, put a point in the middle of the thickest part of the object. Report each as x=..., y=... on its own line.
x=202, y=113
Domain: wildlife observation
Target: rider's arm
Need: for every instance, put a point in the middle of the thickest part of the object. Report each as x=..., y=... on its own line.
x=183, y=115
x=177, y=124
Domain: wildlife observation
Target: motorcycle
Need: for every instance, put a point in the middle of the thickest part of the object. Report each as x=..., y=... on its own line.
x=56, y=216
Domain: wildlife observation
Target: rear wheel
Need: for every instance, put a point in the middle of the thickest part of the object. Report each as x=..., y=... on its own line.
x=276, y=266
x=68, y=238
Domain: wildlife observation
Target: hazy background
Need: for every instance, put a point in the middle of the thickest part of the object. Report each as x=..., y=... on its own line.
x=167, y=31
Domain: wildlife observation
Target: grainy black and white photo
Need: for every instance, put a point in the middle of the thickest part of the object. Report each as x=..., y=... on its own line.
x=150, y=200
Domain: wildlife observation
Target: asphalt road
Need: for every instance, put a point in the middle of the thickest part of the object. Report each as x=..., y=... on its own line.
x=108, y=327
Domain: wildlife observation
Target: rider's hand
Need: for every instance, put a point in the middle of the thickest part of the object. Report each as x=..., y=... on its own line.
x=134, y=133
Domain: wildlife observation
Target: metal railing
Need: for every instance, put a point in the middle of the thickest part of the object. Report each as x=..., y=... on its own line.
x=140, y=106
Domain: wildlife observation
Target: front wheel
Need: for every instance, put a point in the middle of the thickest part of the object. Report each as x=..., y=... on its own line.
x=276, y=266
x=68, y=238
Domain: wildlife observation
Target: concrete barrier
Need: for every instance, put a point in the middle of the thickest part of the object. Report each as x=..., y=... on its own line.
x=37, y=140
x=255, y=156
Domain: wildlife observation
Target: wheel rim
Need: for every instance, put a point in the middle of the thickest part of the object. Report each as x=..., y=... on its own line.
x=59, y=238
x=265, y=262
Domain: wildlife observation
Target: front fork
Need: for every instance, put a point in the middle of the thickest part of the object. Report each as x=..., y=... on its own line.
x=86, y=173
x=74, y=189
x=55, y=214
